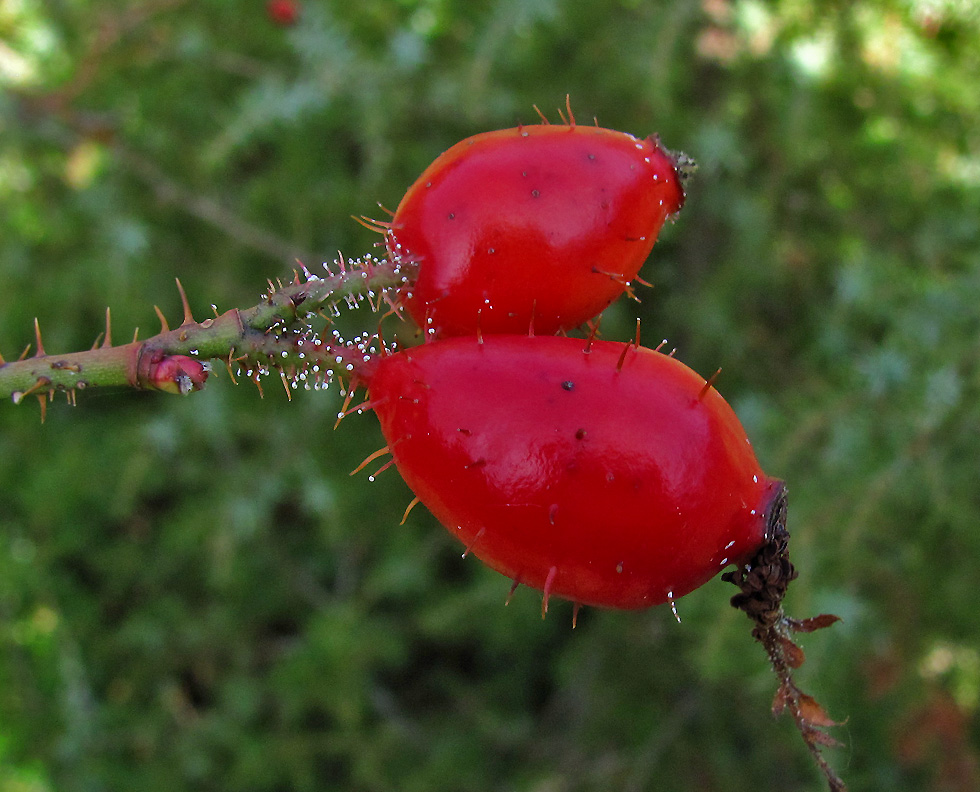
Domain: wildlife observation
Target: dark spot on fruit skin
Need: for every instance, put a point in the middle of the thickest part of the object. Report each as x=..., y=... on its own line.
x=580, y=434
x=535, y=193
x=568, y=385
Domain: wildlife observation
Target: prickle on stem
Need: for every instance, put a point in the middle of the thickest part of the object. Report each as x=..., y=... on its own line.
x=37, y=335
x=185, y=305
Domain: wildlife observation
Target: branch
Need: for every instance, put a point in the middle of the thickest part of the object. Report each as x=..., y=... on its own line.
x=275, y=335
x=763, y=583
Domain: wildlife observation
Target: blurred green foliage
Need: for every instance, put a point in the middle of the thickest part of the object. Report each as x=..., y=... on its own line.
x=194, y=593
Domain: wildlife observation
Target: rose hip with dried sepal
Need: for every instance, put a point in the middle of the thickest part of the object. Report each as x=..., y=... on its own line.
x=605, y=473
x=538, y=227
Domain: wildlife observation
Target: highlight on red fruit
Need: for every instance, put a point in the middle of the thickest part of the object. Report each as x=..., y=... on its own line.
x=604, y=473
x=283, y=12
x=539, y=227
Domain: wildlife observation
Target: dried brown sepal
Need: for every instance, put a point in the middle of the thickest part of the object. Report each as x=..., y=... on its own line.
x=792, y=652
x=815, y=735
x=763, y=583
x=812, y=624
x=813, y=713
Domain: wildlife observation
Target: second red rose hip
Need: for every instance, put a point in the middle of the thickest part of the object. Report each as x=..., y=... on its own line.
x=601, y=472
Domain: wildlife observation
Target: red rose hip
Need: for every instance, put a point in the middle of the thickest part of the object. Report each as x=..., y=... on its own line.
x=601, y=472
x=538, y=227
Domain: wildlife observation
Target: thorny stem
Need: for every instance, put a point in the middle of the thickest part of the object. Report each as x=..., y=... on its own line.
x=275, y=335
x=763, y=583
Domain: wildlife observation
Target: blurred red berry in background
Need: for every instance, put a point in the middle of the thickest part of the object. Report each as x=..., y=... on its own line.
x=283, y=12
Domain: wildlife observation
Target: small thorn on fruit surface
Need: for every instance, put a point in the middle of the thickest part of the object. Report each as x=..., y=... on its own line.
x=549, y=583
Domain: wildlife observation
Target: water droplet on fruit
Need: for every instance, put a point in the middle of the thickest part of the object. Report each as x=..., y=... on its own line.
x=673, y=605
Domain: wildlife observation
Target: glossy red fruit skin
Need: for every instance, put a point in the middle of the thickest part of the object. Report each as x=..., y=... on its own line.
x=623, y=473
x=539, y=225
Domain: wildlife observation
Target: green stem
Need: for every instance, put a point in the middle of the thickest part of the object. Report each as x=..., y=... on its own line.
x=275, y=334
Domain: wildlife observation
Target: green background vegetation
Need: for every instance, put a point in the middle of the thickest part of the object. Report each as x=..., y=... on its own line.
x=194, y=593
